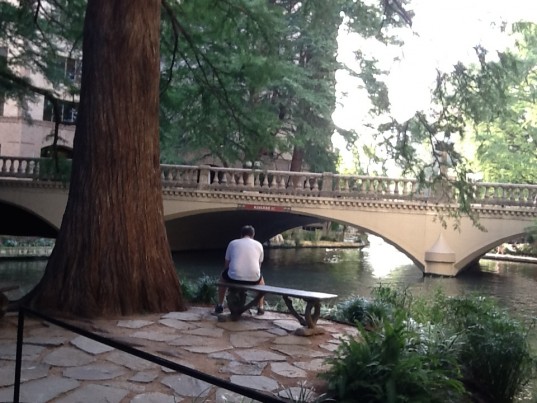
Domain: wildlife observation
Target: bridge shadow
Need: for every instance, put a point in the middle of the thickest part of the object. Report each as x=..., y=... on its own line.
x=19, y=222
x=215, y=230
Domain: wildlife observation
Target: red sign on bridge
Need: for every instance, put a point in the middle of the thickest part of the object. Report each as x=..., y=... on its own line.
x=262, y=207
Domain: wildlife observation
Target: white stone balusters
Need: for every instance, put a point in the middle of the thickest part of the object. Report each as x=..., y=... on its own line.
x=299, y=183
x=19, y=167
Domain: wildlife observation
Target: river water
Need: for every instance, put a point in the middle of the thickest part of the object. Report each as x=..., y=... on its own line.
x=355, y=272
x=345, y=272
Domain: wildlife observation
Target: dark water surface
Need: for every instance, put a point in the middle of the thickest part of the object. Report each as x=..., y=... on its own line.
x=345, y=272
x=355, y=272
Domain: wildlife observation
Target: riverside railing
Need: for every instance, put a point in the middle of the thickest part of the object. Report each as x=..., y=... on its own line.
x=109, y=341
x=209, y=178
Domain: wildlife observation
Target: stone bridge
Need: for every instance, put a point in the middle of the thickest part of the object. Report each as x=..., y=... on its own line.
x=205, y=207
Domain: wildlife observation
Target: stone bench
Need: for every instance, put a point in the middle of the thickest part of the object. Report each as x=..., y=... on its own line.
x=4, y=301
x=237, y=304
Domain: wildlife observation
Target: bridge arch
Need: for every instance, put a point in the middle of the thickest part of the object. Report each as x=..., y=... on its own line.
x=200, y=208
x=18, y=221
x=216, y=227
x=488, y=246
x=413, y=228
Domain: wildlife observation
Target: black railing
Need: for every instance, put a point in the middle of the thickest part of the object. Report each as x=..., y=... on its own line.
x=247, y=392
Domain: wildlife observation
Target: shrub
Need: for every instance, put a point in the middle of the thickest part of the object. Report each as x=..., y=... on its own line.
x=495, y=355
x=187, y=289
x=441, y=349
x=352, y=310
x=394, y=364
x=203, y=290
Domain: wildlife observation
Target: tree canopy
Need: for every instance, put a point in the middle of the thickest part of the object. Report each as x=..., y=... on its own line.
x=240, y=80
x=481, y=118
x=255, y=80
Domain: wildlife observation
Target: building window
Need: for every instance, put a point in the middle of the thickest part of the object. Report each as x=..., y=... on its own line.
x=68, y=112
x=70, y=68
x=73, y=70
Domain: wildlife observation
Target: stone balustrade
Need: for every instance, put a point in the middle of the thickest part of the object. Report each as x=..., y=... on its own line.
x=208, y=178
x=299, y=183
x=19, y=167
x=336, y=185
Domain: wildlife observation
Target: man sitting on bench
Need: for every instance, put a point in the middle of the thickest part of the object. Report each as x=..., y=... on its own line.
x=242, y=265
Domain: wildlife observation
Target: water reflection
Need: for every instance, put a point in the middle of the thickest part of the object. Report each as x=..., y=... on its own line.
x=23, y=272
x=345, y=272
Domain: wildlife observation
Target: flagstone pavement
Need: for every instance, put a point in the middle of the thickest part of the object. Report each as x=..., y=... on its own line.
x=260, y=352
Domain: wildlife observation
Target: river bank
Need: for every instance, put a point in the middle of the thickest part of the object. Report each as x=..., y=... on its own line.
x=29, y=252
x=25, y=252
x=511, y=258
x=316, y=244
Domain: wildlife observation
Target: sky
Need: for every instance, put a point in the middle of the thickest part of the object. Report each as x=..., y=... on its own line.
x=443, y=32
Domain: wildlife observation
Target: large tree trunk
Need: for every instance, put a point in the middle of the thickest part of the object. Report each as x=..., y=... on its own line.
x=112, y=256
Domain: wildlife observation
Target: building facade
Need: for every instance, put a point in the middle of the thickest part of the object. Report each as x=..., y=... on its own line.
x=28, y=130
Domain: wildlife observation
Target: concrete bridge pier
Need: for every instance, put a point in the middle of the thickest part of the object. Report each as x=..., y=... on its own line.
x=440, y=259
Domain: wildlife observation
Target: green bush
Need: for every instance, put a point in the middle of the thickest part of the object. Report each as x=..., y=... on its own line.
x=203, y=290
x=394, y=364
x=352, y=311
x=187, y=289
x=496, y=358
x=440, y=349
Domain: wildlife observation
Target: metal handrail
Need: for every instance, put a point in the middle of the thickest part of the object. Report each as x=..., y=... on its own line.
x=248, y=392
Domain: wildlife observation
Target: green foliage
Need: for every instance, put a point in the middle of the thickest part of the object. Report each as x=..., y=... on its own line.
x=495, y=354
x=248, y=81
x=531, y=237
x=203, y=290
x=394, y=363
x=240, y=80
x=449, y=346
x=56, y=170
x=352, y=311
x=487, y=106
x=385, y=303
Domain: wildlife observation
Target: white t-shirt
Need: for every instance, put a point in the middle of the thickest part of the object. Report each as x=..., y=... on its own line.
x=245, y=256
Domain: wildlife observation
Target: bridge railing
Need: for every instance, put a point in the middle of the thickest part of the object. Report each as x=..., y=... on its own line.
x=19, y=167
x=506, y=194
x=35, y=168
x=291, y=183
x=337, y=185
x=295, y=183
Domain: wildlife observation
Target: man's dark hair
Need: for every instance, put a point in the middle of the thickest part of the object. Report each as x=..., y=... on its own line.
x=248, y=230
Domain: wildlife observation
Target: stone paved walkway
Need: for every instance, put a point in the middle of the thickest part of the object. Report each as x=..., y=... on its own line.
x=259, y=352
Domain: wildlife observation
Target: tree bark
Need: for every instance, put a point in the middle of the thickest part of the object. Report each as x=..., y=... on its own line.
x=297, y=159
x=112, y=255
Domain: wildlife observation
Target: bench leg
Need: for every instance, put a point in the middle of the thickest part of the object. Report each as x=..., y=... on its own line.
x=309, y=320
x=236, y=301
x=293, y=311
